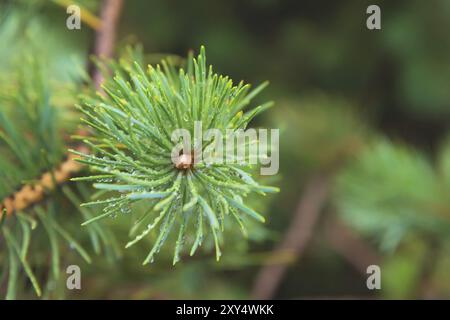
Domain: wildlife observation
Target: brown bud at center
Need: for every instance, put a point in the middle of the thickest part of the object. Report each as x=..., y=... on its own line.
x=185, y=161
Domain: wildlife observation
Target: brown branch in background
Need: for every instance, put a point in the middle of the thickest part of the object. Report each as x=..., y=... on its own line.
x=106, y=36
x=296, y=238
x=31, y=194
x=350, y=246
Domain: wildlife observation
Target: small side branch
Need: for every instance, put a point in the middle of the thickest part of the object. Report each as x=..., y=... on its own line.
x=31, y=194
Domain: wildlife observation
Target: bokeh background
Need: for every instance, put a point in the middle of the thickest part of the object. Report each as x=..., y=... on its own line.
x=365, y=155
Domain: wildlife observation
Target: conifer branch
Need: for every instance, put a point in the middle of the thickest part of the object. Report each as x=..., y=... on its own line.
x=137, y=159
x=30, y=194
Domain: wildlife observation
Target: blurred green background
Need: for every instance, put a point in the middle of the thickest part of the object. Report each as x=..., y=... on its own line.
x=365, y=152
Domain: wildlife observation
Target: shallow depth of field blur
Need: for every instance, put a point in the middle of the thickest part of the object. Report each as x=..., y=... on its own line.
x=364, y=141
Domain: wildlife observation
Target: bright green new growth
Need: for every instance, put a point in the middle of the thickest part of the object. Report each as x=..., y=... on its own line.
x=133, y=124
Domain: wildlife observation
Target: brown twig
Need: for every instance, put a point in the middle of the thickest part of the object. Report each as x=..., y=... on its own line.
x=350, y=246
x=297, y=237
x=31, y=194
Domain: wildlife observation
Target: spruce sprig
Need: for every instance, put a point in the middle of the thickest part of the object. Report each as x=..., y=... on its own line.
x=133, y=123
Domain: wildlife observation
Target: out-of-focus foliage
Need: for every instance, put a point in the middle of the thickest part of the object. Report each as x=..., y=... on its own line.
x=319, y=131
x=391, y=191
x=396, y=196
